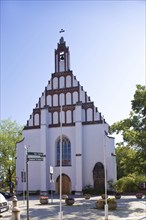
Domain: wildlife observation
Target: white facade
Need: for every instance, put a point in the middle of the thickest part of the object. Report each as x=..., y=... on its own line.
x=65, y=111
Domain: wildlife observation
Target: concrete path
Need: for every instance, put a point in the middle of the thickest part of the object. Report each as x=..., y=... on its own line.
x=128, y=208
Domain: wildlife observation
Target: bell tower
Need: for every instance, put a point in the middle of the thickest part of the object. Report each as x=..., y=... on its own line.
x=62, y=57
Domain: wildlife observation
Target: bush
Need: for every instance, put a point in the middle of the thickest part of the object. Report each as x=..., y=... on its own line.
x=112, y=204
x=129, y=184
x=92, y=191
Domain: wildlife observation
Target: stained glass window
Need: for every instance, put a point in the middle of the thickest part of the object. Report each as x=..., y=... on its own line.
x=66, y=152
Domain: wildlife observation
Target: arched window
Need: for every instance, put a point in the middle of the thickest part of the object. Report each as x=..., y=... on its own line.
x=66, y=152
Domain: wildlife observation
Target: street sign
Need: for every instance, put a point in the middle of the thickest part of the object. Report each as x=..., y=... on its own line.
x=35, y=159
x=51, y=170
x=35, y=154
x=142, y=185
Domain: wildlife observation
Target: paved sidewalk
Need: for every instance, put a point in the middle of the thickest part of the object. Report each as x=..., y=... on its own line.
x=128, y=208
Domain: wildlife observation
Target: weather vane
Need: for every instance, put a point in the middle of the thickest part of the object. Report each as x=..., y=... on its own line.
x=61, y=39
x=61, y=31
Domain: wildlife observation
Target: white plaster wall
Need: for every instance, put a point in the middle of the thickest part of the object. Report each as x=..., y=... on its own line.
x=78, y=142
x=32, y=140
x=75, y=82
x=74, y=115
x=43, y=140
x=49, y=118
x=49, y=86
x=42, y=101
x=89, y=114
x=83, y=115
x=56, y=62
x=49, y=100
x=62, y=117
x=92, y=151
x=54, y=134
x=61, y=66
x=75, y=97
x=62, y=82
x=82, y=96
x=20, y=165
x=55, y=83
x=96, y=115
x=36, y=119
x=31, y=121
x=68, y=81
x=68, y=98
x=78, y=113
x=62, y=99
x=68, y=114
x=55, y=100
x=111, y=160
x=55, y=117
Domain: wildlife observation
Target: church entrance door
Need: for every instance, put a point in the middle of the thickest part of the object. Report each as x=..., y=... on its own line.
x=66, y=184
x=98, y=177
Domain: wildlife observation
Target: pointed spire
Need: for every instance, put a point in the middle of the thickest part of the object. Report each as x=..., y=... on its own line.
x=61, y=40
x=62, y=56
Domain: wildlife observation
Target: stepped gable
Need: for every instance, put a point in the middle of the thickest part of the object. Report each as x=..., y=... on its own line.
x=63, y=87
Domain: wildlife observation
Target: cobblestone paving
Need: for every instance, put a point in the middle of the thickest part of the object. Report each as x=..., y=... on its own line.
x=128, y=208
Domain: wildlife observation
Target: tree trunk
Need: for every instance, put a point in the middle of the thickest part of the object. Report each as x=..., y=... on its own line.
x=10, y=181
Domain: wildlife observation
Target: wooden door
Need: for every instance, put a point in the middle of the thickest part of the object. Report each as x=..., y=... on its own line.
x=66, y=184
x=98, y=177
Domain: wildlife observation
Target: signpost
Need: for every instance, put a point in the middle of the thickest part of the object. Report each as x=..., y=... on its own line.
x=27, y=191
x=31, y=156
x=35, y=159
x=35, y=154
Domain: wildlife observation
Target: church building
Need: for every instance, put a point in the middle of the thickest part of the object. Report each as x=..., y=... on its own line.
x=65, y=127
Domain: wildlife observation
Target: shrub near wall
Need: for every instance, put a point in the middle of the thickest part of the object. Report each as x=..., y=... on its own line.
x=129, y=184
x=126, y=184
x=92, y=191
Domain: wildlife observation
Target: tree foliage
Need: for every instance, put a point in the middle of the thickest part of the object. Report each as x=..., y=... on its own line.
x=10, y=134
x=133, y=129
x=130, y=183
x=126, y=161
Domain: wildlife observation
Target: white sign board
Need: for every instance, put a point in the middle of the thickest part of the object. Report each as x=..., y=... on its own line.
x=51, y=170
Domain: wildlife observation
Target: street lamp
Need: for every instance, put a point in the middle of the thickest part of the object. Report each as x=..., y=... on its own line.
x=27, y=189
x=105, y=174
x=61, y=213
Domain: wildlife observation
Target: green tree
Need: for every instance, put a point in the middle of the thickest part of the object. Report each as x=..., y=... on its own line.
x=10, y=134
x=126, y=161
x=133, y=129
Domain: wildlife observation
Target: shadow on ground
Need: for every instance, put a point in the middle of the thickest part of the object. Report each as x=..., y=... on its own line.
x=82, y=209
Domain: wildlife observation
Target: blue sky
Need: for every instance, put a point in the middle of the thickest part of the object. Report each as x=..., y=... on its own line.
x=107, y=52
